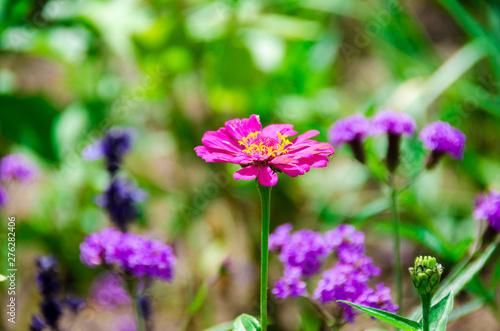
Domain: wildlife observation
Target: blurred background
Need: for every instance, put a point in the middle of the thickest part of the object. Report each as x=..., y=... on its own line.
x=173, y=69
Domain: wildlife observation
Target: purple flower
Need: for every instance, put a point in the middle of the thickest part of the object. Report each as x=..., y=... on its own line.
x=119, y=200
x=36, y=323
x=48, y=284
x=440, y=137
x=306, y=250
x=279, y=237
x=303, y=253
x=135, y=254
x=46, y=276
x=394, y=125
x=487, y=207
x=75, y=304
x=352, y=130
x=113, y=146
x=17, y=166
x=389, y=121
x=3, y=196
x=290, y=285
x=345, y=130
x=348, y=282
x=107, y=291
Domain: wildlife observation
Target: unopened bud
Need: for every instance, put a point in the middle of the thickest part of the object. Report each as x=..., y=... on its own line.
x=426, y=275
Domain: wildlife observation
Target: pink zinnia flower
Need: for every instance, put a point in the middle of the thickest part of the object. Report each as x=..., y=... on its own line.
x=263, y=152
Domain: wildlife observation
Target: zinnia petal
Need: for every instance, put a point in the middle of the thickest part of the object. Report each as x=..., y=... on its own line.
x=267, y=176
x=247, y=173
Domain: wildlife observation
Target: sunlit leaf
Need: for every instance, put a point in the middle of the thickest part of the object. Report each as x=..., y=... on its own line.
x=246, y=322
x=389, y=318
x=440, y=312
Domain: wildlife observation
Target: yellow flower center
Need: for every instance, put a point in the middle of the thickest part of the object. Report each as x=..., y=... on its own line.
x=265, y=145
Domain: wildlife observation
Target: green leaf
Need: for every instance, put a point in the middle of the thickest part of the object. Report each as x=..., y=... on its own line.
x=466, y=309
x=389, y=318
x=466, y=275
x=246, y=322
x=226, y=326
x=198, y=299
x=440, y=312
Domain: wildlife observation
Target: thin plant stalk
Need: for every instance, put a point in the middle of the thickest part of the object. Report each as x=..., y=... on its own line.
x=131, y=287
x=397, y=245
x=426, y=308
x=265, y=198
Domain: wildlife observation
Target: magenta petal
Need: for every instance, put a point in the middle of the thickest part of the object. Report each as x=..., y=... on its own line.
x=267, y=176
x=247, y=173
x=220, y=140
x=241, y=128
x=291, y=170
x=317, y=161
x=305, y=136
x=213, y=155
x=284, y=129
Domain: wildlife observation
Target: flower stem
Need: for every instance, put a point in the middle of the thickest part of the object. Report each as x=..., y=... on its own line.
x=397, y=255
x=265, y=198
x=131, y=288
x=138, y=315
x=426, y=308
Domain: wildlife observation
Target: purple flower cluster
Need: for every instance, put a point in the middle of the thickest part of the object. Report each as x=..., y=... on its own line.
x=487, y=207
x=15, y=166
x=441, y=137
x=134, y=254
x=119, y=200
x=112, y=147
x=303, y=254
x=348, y=279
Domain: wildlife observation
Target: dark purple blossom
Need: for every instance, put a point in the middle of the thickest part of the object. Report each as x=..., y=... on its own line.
x=17, y=166
x=120, y=201
x=3, y=196
x=46, y=276
x=75, y=304
x=487, y=207
x=113, y=146
x=36, y=323
x=108, y=292
x=49, y=286
x=135, y=254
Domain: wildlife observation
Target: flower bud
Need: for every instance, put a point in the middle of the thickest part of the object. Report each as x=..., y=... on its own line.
x=426, y=275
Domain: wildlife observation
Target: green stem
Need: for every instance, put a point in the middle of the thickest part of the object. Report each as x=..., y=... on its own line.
x=131, y=287
x=265, y=198
x=426, y=308
x=397, y=255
